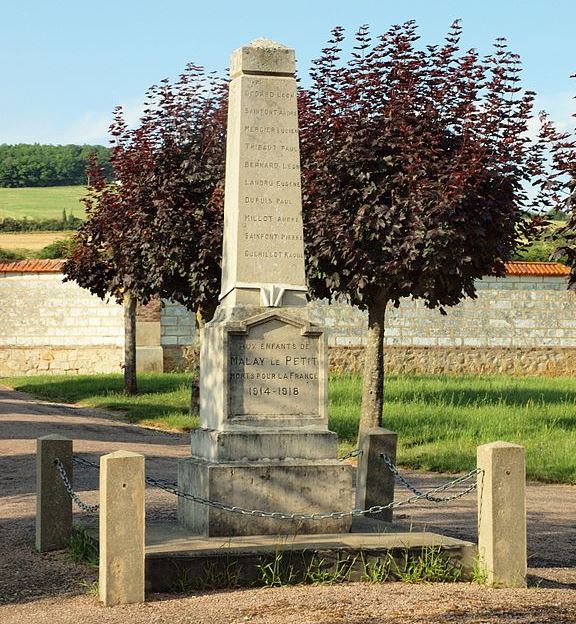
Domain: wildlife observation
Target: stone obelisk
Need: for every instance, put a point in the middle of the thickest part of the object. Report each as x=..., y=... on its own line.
x=263, y=441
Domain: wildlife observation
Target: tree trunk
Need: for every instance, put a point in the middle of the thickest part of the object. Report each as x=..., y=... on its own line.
x=373, y=386
x=130, y=344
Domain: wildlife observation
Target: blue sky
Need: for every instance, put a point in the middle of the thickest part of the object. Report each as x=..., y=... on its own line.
x=65, y=64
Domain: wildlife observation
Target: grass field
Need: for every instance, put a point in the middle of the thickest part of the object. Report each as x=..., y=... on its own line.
x=42, y=202
x=440, y=420
x=30, y=241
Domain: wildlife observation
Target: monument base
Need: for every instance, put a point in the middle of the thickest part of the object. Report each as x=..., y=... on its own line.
x=283, y=486
x=242, y=445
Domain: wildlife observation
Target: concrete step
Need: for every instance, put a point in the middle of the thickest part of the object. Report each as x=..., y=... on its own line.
x=179, y=561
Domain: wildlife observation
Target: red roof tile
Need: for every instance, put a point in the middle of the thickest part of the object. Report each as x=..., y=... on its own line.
x=31, y=266
x=540, y=269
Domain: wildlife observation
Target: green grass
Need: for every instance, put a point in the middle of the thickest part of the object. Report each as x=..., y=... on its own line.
x=42, y=202
x=440, y=420
x=162, y=402
x=82, y=548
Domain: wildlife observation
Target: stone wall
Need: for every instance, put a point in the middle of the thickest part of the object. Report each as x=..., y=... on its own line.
x=51, y=327
x=177, y=337
x=519, y=325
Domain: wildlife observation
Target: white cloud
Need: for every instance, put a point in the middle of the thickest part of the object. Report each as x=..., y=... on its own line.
x=92, y=127
x=88, y=127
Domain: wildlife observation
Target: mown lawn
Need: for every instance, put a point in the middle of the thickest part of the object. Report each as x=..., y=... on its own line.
x=440, y=420
x=42, y=202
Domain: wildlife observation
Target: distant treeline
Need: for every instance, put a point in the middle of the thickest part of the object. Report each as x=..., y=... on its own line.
x=48, y=165
x=41, y=225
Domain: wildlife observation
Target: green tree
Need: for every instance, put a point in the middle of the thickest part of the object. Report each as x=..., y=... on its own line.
x=24, y=165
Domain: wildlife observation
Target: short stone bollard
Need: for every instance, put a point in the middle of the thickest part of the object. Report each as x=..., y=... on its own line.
x=502, y=514
x=375, y=482
x=121, y=576
x=53, y=503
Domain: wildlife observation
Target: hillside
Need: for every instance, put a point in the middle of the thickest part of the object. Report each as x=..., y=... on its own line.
x=41, y=202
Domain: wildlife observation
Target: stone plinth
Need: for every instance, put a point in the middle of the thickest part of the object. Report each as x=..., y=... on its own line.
x=264, y=441
x=53, y=503
x=121, y=531
x=284, y=486
x=375, y=481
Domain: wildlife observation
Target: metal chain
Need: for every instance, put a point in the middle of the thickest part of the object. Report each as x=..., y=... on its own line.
x=353, y=453
x=83, y=506
x=428, y=495
x=81, y=461
x=172, y=488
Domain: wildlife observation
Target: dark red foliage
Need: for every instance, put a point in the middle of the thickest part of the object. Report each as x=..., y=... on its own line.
x=158, y=229
x=415, y=162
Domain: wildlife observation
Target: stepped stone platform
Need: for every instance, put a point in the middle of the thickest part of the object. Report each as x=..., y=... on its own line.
x=176, y=559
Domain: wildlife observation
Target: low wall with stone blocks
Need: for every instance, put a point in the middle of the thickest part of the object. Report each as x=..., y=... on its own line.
x=521, y=324
x=51, y=327
x=517, y=324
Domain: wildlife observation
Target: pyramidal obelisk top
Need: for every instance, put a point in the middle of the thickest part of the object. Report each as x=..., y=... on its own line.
x=263, y=250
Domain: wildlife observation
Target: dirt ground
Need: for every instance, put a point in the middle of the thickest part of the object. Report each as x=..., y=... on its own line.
x=30, y=241
x=48, y=587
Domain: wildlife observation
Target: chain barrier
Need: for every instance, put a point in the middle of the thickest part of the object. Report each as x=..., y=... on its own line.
x=83, y=506
x=428, y=495
x=354, y=453
x=86, y=463
x=172, y=488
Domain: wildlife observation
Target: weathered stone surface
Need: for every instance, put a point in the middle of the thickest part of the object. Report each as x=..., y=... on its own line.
x=148, y=333
x=50, y=360
x=549, y=361
x=502, y=514
x=121, y=569
x=263, y=445
x=263, y=248
x=53, y=503
x=374, y=480
x=263, y=56
x=269, y=370
x=149, y=359
x=322, y=486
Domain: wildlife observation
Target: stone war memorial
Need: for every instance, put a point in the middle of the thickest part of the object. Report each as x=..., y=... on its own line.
x=263, y=441
x=263, y=480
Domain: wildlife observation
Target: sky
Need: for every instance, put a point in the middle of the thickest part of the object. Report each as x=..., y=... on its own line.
x=65, y=65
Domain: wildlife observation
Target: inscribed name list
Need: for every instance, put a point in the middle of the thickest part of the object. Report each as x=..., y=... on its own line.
x=273, y=370
x=269, y=240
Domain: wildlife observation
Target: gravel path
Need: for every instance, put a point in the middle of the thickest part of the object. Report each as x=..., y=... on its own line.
x=49, y=588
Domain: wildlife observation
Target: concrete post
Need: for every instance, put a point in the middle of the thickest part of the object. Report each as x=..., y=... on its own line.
x=53, y=503
x=121, y=528
x=502, y=514
x=375, y=482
